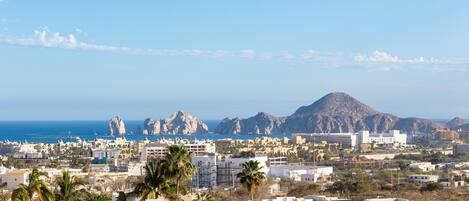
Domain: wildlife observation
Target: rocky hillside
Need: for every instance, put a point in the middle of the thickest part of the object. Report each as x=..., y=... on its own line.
x=262, y=123
x=116, y=126
x=178, y=123
x=458, y=123
x=335, y=112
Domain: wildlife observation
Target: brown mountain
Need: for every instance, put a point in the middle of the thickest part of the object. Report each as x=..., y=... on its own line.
x=262, y=123
x=335, y=112
x=456, y=122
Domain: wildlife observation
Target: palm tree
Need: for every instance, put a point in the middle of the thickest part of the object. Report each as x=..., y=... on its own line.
x=177, y=166
x=251, y=176
x=67, y=187
x=154, y=184
x=35, y=186
x=204, y=196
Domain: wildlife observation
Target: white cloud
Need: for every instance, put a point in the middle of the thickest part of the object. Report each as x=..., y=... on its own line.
x=377, y=56
x=48, y=39
x=377, y=60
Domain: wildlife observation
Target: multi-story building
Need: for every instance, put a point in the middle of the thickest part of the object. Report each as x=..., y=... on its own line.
x=278, y=161
x=460, y=149
x=105, y=153
x=27, y=151
x=353, y=139
x=160, y=148
x=205, y=175
x=229, y=167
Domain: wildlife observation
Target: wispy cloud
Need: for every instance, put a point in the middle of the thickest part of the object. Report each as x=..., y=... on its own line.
x=377, y=60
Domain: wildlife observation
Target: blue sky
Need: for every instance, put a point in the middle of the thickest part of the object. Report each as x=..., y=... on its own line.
x=93, y=59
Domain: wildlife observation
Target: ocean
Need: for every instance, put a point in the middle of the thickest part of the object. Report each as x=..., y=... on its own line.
x=52, y=131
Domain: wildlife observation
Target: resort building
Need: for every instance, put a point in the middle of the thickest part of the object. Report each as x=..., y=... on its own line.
x=352, y=139
x=160, y=148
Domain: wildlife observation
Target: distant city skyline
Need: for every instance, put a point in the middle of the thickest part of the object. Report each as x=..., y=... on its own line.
x=90, y=60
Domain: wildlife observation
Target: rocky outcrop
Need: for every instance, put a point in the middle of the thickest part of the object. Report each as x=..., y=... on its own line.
x=116, y=126
x=151, y=126
x=415, y=125
x=335, y=112
x=456, y=122
x=262, y=123
x=178, y=123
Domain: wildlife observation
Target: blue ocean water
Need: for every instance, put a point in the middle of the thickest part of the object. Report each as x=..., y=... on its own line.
x=52, y=131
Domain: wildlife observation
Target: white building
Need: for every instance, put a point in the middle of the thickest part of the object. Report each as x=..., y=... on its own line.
x=424, y=166
x=27, y=151
x=160, y=148
x=229, y=167
x=136, y=169
x=13, y=178
x=205, y=175
x=355, y=139
x=278, y=161
x=455, y=184
x=107, y=153
x=418, y=178
x=300, y=172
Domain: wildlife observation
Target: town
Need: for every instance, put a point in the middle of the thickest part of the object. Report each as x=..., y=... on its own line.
x=307, y=166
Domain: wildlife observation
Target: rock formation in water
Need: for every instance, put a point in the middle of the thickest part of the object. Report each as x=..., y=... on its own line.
x=335, y=112
x=116, y=126
x=151, y=126
x=262, y=123
x=178, y=123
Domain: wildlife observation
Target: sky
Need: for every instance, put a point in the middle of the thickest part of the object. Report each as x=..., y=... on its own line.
x=90, y=60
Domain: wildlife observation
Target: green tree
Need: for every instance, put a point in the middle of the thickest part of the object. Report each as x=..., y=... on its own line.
x=431, y=186
x=204, y=196
x=35, y=186
x=301, y=189
x=251, y=176
x=154, y=184
x=177, y=166
x=67, y=187
x=122, y=196
x=98, y=197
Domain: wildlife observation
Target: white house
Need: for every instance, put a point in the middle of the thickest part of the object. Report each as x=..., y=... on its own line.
x=419, y=178
x=424, y=166
x=300, y=172
x=13, y=178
